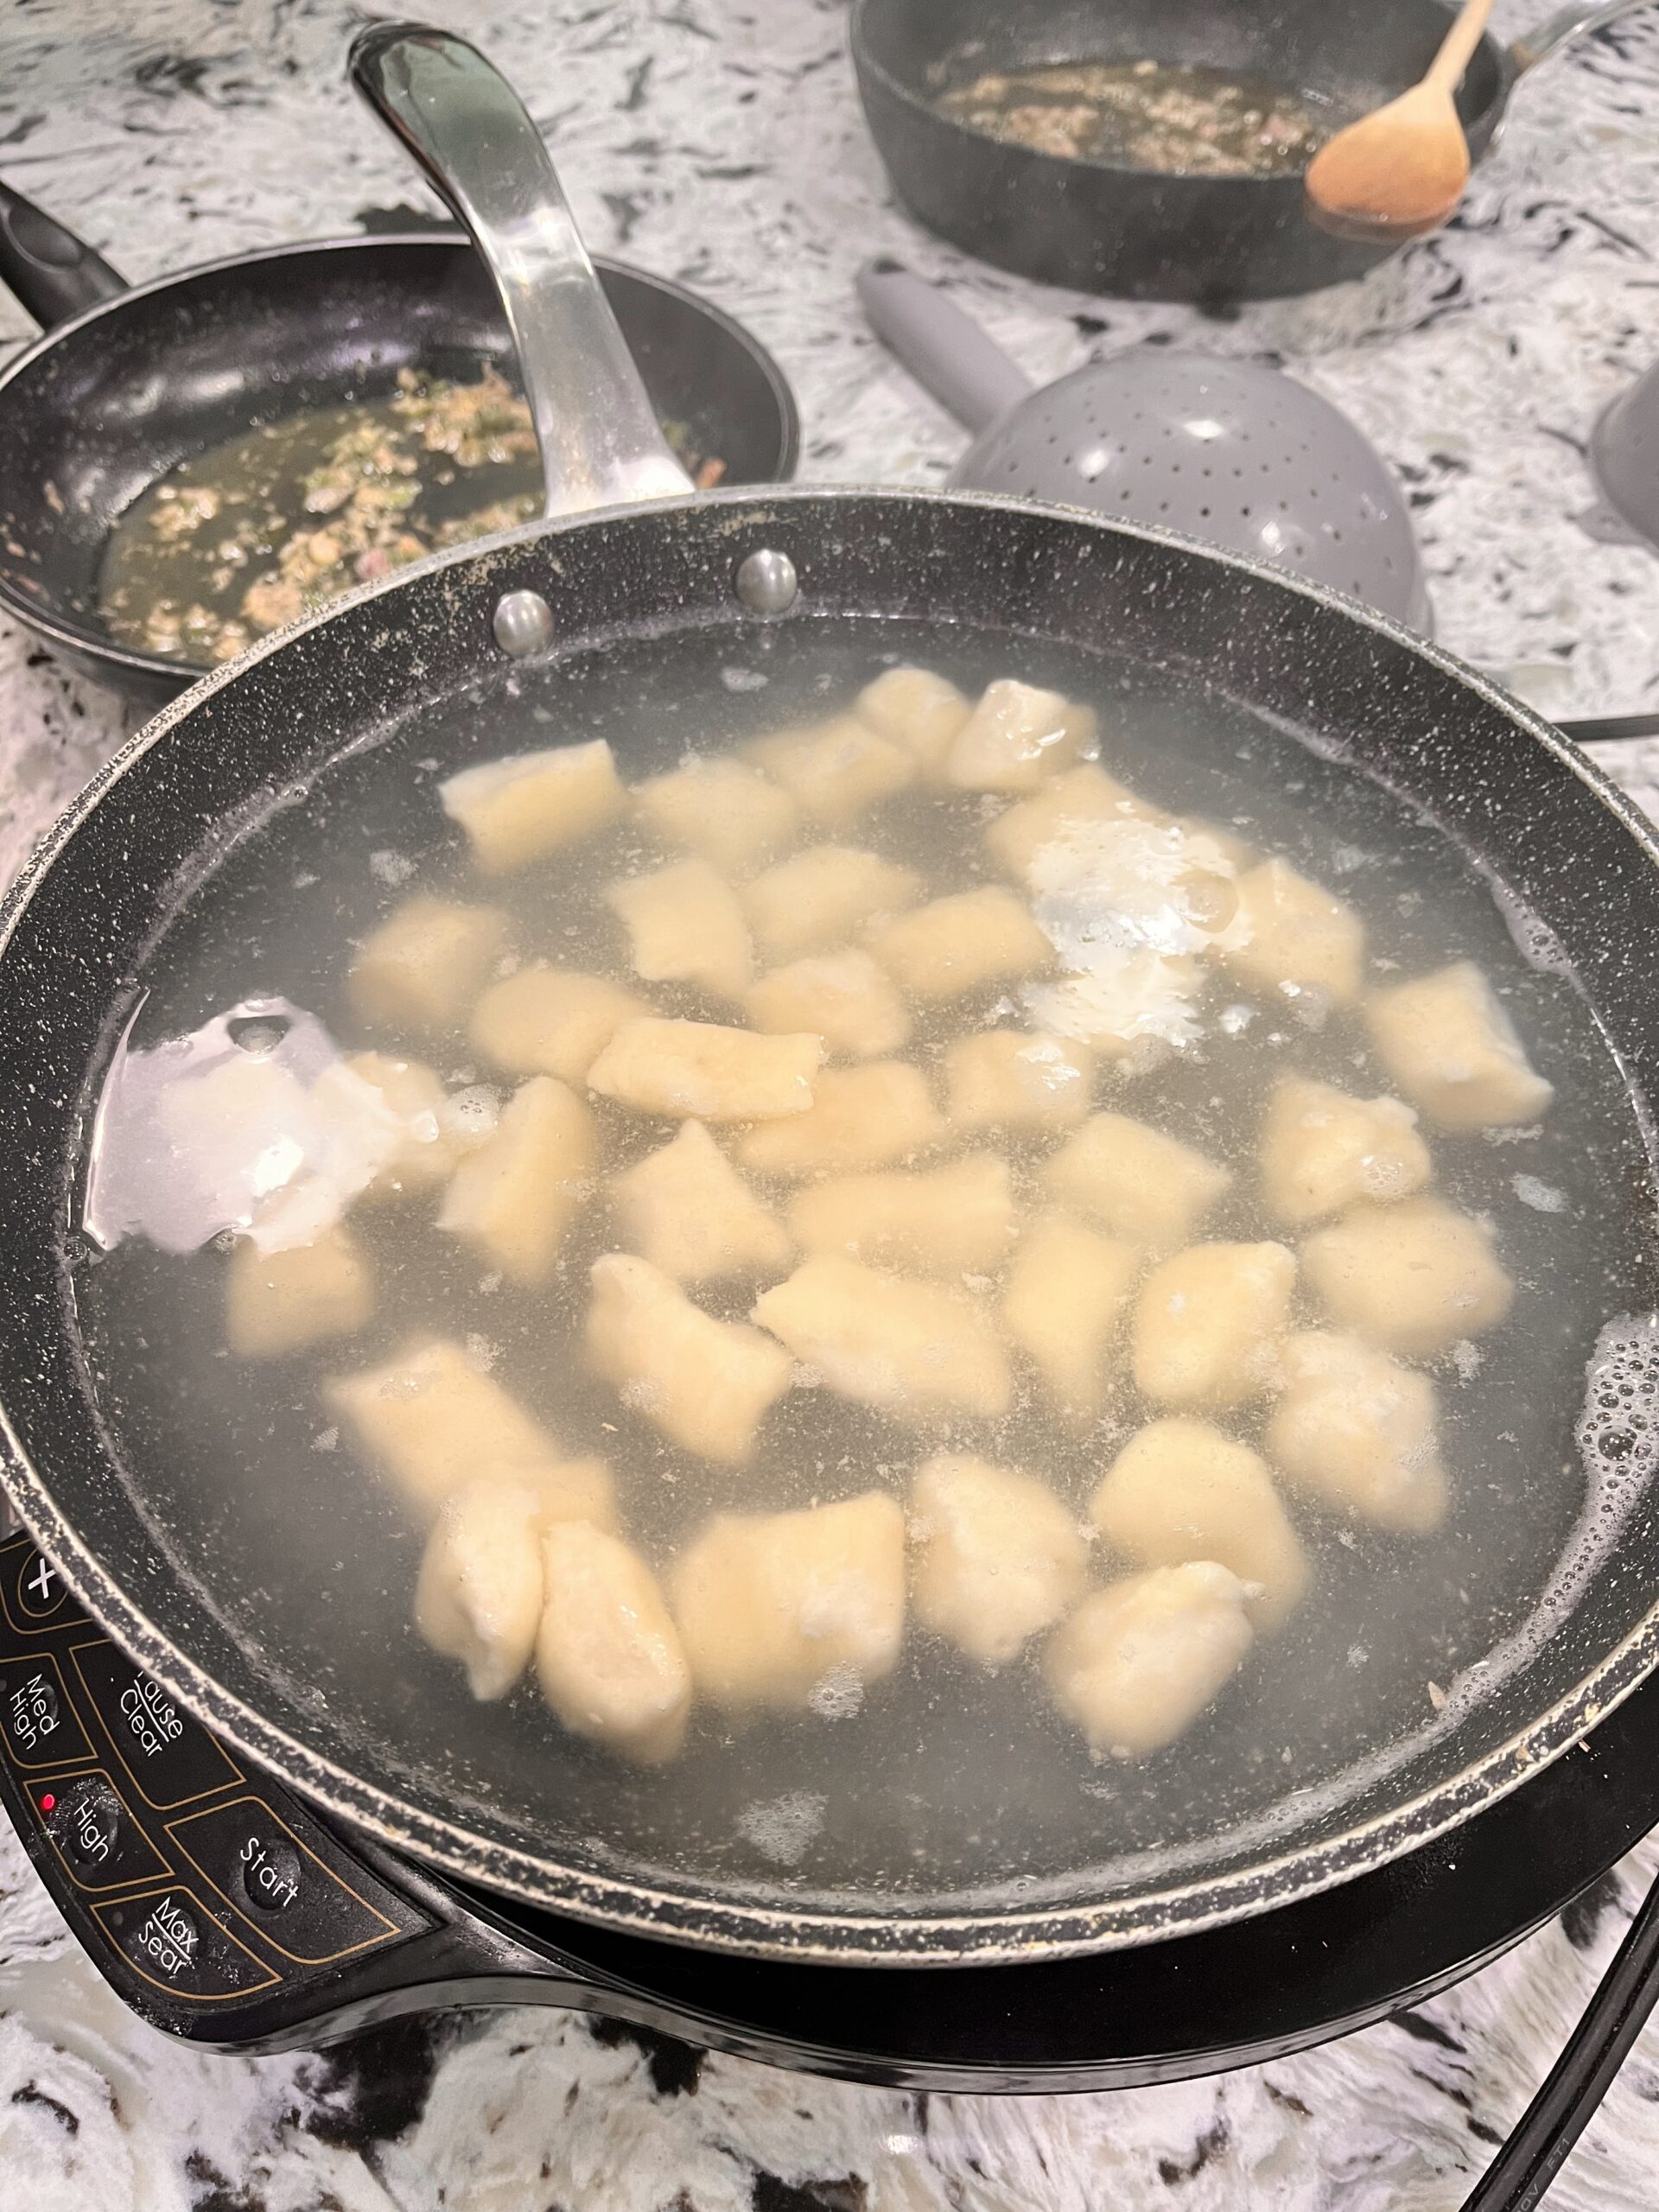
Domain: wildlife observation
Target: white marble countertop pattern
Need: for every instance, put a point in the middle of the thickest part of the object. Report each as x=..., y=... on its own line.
x=721, y=142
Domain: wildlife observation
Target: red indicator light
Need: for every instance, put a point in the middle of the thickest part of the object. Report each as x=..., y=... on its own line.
x=48, y=1802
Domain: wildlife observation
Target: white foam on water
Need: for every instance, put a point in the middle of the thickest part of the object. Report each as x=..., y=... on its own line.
x=781, y=1828
x=1543, y=1197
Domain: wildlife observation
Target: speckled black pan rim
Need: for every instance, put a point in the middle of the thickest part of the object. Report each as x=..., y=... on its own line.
x=779, y=1927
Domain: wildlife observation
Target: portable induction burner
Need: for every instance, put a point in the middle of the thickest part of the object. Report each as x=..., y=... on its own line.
x=224, y=1910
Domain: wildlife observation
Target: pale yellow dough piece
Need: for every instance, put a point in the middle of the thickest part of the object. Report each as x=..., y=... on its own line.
x=685, y=926
x=1080, y=795
x=1063, y=1307
x=278, y=1302
x=860, y=1118
x=1179, y=1490
x=1138, y=1662
x=513, y=1200
x=1134, y=1181
x=1321, y=1149
x=437, y=1135
x=912, y=1348
x=994, y=1556
x=947, y=1221
x=688, y=1211
x=707, y=1384
x=1358, y=1431
x=546, y=1020
x=1208, y=1322
x=960, y=944
x=1293, y=938
x=844, y=996
x=837, y=770
x=1451, y=1048
x=434, y=1421
x=723, y=809
x=707, y=1071
x=608, y=1656
x=816, y=900
x=425, y=964
x=521, y=808
x=478, y=1598
x=1413, y=1277
x=1016, y=737
x=770, y=1606
x=1016, y=1079
x=914, y=707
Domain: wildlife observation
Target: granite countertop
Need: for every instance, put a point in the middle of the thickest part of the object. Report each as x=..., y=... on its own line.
x=721, y=144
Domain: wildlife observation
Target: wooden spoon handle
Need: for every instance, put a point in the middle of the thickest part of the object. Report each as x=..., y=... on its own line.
x=1445, y=71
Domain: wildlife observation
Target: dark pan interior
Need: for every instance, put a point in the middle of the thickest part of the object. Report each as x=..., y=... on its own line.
x=946, y=1842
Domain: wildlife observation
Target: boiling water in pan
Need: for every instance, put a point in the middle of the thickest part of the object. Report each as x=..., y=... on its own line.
x=944, y=1779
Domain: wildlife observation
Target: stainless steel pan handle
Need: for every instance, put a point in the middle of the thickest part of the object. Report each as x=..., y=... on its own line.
x=1556, y=31
x=600, y=441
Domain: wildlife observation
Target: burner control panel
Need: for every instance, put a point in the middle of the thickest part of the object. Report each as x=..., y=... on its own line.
x=200, y=1887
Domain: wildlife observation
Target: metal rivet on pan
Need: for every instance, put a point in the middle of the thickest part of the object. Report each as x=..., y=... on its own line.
x=522, y=623
x=766, y=582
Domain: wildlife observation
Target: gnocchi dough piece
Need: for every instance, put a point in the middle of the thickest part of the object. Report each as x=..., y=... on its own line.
x=423, y=967
x=949, y=1221
x=1134, y=1181
x=435, y=1135
x=1015, y=736
x=278, y=1302
x=513, y=1199
x=994, y=1556
x=1294, y=938
x=707, y=1384
x=1138, y=1662
x=844, y=996
x=434, y=1421
x=688, y=1211
x=1082, y=795
x=546, y=1020
x=1412, y=1277
x=685, y=926
x=1208, y=1322
x=1064, y=1303
x=813, y=901
x=1180, y=1490
x=960, y=943
x=478, y=1598
x=607, y=1655
x=1451, y=1048
x=1358, y=1431
x=706, y=1071
x=723, y=809
x=914, y=707
x=860, y=1118
x=521, y=808
x=1321, y=1150
x=1016, y=1079
x=837, y=770
x=911, y=1349
x=770, y=1605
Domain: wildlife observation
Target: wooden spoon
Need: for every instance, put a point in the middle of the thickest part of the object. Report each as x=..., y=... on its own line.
x=1402, y=169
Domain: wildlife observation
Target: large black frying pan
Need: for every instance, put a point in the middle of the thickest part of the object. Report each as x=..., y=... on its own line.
x=126, y=382
x=1100, y=227
x=969, y=1839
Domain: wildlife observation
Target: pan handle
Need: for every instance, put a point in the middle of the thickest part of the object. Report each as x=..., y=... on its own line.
x=600, y=441
x=1556, y=31
x=52, y=274
x=944, y=350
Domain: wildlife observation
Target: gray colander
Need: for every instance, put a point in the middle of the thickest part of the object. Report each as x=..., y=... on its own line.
x=1233, y=452
x=1625, y=462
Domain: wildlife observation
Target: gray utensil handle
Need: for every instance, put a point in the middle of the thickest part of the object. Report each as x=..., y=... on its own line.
x=1559, y=30
x=463, y=122
x=943, y=349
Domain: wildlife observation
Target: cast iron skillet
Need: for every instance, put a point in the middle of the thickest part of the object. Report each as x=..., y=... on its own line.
x=128, y=381
x=1132, y=231
x=471, y=654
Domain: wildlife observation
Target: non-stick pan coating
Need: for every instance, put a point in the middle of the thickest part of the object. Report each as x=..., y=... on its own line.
x=895, y=1873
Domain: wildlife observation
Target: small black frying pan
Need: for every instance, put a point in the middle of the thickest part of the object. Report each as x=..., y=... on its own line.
x=127, y=382
x=1136, y=232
